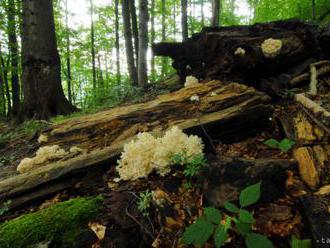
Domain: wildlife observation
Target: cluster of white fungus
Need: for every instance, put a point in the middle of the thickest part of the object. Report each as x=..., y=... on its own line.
x=147, y=153
x=271, y=47
x=240, y=52
x=191, y=81
x=45, y=154
x=194, y=98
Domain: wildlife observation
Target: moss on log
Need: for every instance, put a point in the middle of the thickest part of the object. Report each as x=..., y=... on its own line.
x=50, y=224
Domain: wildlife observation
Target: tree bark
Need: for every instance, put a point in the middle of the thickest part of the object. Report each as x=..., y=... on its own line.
x=68, y=57
x=117, y=41
x=163, y=11
x=128, y=42
x=13, y=49
x=152, y=35
x=135, y=30
x=202, y=13
x=215, y=13
x=93, y=44
x=184, y=19
x=143, y=43
x=4, y=75
x=43, y=92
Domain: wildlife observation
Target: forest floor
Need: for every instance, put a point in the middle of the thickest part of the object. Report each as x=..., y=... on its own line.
x=176, y=202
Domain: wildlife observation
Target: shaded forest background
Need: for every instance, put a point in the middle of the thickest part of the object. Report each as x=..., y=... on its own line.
x=94, y=68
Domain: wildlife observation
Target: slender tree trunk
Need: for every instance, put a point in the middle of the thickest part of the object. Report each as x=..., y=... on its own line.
x=101, y=80
x=13, y=49
x=3, y=98
x=163, y=10
x=117, y=41
x=93, y=44
x=135, y=30
x=313, y=10
x=174, y=19
x=215, y=22
x=184, y=19
x=202, y=13
x=43, y=92
x=128, y=42
x=143, y=43
x=153, y=34
x=4, y=75
x=68, y=56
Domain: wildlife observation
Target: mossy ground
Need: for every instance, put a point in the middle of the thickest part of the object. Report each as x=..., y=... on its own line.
x=52, y=224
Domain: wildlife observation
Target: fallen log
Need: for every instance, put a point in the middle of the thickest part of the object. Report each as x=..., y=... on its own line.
x=240, y=53
x=229, y=111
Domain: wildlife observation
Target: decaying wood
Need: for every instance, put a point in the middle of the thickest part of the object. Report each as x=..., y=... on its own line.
x=228, y=176
x=216, y=53
x=231, y=109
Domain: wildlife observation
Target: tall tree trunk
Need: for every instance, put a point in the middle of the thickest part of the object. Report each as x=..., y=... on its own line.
x=117, y=41
x=13, y=50
x=43, y=92
x=215, y=13
x=174, y=19
x=163, y=11
x=68, y=56
x=184, y=19
x=143, y=43
x=202, y=13
x=135, y=30
x=4, y=75
x=93, y=44
x=313, y=10
x=2, y=97
x=153, y=34
x=128, y=42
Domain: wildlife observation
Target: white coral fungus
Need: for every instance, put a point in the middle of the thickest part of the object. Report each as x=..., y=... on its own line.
x=148, y=154
x=194, y=98
x=240, y=52
x=44, y=154
x=191, y=81
x=271, y=47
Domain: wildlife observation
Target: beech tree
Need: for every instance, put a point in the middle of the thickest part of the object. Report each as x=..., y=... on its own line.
x=143, y=43
x=43, y=93
x=215, y=13
x=184, y=19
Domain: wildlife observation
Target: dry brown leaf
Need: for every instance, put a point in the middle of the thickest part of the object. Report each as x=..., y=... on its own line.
x=172, y=223
x=98, y=229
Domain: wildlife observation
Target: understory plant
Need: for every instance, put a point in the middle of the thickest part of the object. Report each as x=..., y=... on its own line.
x=284, y=145
x=299, y=243
x=215, y=223
x=144, y=202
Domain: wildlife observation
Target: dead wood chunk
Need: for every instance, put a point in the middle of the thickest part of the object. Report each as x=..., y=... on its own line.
x=308, y=167
x=227, y=177
x=317, y=211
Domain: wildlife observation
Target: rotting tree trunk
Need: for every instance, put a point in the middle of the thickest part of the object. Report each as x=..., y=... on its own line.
x=104, y=134
x=43, y=92
x=234, y=53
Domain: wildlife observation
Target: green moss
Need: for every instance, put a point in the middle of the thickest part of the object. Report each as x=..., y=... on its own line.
x=51, y=224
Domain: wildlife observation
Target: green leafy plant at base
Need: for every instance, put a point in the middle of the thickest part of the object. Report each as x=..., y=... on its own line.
x=50, y=224
x=213, y=223
x=4, y=208
x=297, y=243
x=144, y=202
x=193, y=165
x=284, y=145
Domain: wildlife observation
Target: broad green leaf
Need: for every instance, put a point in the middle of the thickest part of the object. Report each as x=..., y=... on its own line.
x=272, y=143
x=231, y=207
x=255, y=240
x=297, y=243
x=250, y=195
x=243, y=228
x=227, y=225
x=213, y=215
x=220, y=236
x=198, y=233
x=285, y=145
x=246, y=217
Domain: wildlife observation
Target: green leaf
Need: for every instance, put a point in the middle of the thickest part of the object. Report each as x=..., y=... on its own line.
x=198, y=233
x=227, y=225
x=231, y=207
x=243, y=228
x=255, y=240
x=212, y=215
x=250, y=195
x=220, y=236
x=246, y=217
x=272, y=143
x=285, y=145
x=297, y=243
